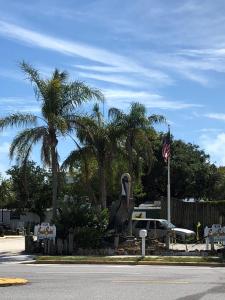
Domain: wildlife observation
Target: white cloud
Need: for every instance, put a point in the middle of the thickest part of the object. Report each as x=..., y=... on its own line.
x=216, y=116
x=121, y=97
x=15, y=104
x=79, y=49
x=11, y=74
x=4, y=148
x=104, y=69
x=4, y=157
x=207, y=130
x=117, y=79
x=214, y=146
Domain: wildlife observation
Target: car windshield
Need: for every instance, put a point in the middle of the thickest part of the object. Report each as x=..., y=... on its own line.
x=168, y=224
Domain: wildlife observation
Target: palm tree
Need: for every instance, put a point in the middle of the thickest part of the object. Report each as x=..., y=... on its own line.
x=137, y=128
x=97, y=138
x=58, y=98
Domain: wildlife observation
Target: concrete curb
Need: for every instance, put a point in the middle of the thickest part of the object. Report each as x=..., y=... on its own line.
x=147, y=263
x=12, y=281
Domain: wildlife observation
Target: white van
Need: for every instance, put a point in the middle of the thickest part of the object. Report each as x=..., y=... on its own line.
x=158, y=228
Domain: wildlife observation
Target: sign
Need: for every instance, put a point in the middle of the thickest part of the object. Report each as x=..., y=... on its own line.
x=45, y=231
x=215, y=234
x=139, y=215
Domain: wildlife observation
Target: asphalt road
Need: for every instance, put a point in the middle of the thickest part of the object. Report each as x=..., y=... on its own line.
x=99, y=282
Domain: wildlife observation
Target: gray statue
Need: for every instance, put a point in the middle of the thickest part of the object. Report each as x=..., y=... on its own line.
x=121, y=211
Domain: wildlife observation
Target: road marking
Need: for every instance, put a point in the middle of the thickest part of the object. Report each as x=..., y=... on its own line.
x=87, y=272
x=150, y=281
x=12, y=281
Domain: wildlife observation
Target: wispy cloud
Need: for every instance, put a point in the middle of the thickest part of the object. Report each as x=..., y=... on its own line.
x=15, y=104
x=121, y=97
x=4, y=157
x=214, y=145
x=79, y=49
x=117, y=79
x=11, y=74
x=210, y=130
x=216, y=116
x=4, y=148
x=104, y=69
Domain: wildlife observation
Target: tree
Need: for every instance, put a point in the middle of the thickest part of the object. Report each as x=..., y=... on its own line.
x=59, y=99
x=192, y=175
x=137, y=130
x=99, y=139
x=6, y=195
x=31, y=187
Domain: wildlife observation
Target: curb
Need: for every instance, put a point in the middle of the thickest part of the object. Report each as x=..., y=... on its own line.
x=147, y=263
x=12, y=281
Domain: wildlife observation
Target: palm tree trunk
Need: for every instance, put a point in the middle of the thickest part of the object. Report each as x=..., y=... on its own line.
x=90, y=192
x=54, y=184
x=54, y=165
x=102, y=183
x=130, y=168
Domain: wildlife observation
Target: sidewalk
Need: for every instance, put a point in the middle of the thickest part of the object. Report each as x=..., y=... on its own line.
x=12, y=250
x=12, y=245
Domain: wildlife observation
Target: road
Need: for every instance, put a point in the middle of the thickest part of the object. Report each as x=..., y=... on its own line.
x=99, y=282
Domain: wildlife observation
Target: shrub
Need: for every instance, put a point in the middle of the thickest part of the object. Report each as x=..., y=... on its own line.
x=87, y=221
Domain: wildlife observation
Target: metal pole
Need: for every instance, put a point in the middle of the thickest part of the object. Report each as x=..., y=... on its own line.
x=143, y=246
x=168, y=193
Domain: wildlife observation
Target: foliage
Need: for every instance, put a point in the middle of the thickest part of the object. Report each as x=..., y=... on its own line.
x=87, y=222
x=104, y=150
x=192, y=175
x=7, y=197
x=98, y=140
x=137, y=129
x=31, y=187
x=58, y=100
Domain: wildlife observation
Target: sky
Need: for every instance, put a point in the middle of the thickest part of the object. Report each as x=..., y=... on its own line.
x=168, y=55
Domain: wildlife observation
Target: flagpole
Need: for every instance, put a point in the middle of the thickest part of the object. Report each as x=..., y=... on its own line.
x=168, y=185
x=168, y=193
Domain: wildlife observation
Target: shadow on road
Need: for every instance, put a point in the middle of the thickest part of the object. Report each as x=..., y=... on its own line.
x=219, y=289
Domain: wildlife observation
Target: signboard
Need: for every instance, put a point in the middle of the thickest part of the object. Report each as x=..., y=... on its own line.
x=215, y=234
x=45, y=231
x=139, y=215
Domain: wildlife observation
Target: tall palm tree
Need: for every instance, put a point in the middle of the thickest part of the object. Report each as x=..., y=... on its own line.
x=58, y=100
x=99, y=138
x=137, y=127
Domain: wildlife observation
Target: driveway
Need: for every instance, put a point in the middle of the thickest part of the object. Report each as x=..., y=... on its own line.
x=12, y=248
x=12, y=245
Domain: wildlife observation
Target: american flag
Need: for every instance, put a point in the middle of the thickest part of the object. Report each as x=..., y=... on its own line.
x=166, y=147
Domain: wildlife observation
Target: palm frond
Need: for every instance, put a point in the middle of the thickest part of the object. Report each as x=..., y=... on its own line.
x=22, y=144
x=62, y=76
x=74, y=156
x=18, y=120
x=34, y=77
x=156, y=119
x=78, y=93
x=115, y=113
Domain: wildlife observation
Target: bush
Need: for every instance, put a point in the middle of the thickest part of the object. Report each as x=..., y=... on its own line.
x=86, y=237
x=88, y=223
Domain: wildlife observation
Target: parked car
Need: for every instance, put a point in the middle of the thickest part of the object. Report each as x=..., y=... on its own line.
x=158, y=228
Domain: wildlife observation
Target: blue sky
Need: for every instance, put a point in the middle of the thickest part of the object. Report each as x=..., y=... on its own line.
x=169, y=55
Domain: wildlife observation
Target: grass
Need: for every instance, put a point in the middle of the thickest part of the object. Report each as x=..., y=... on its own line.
x=128, y=259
